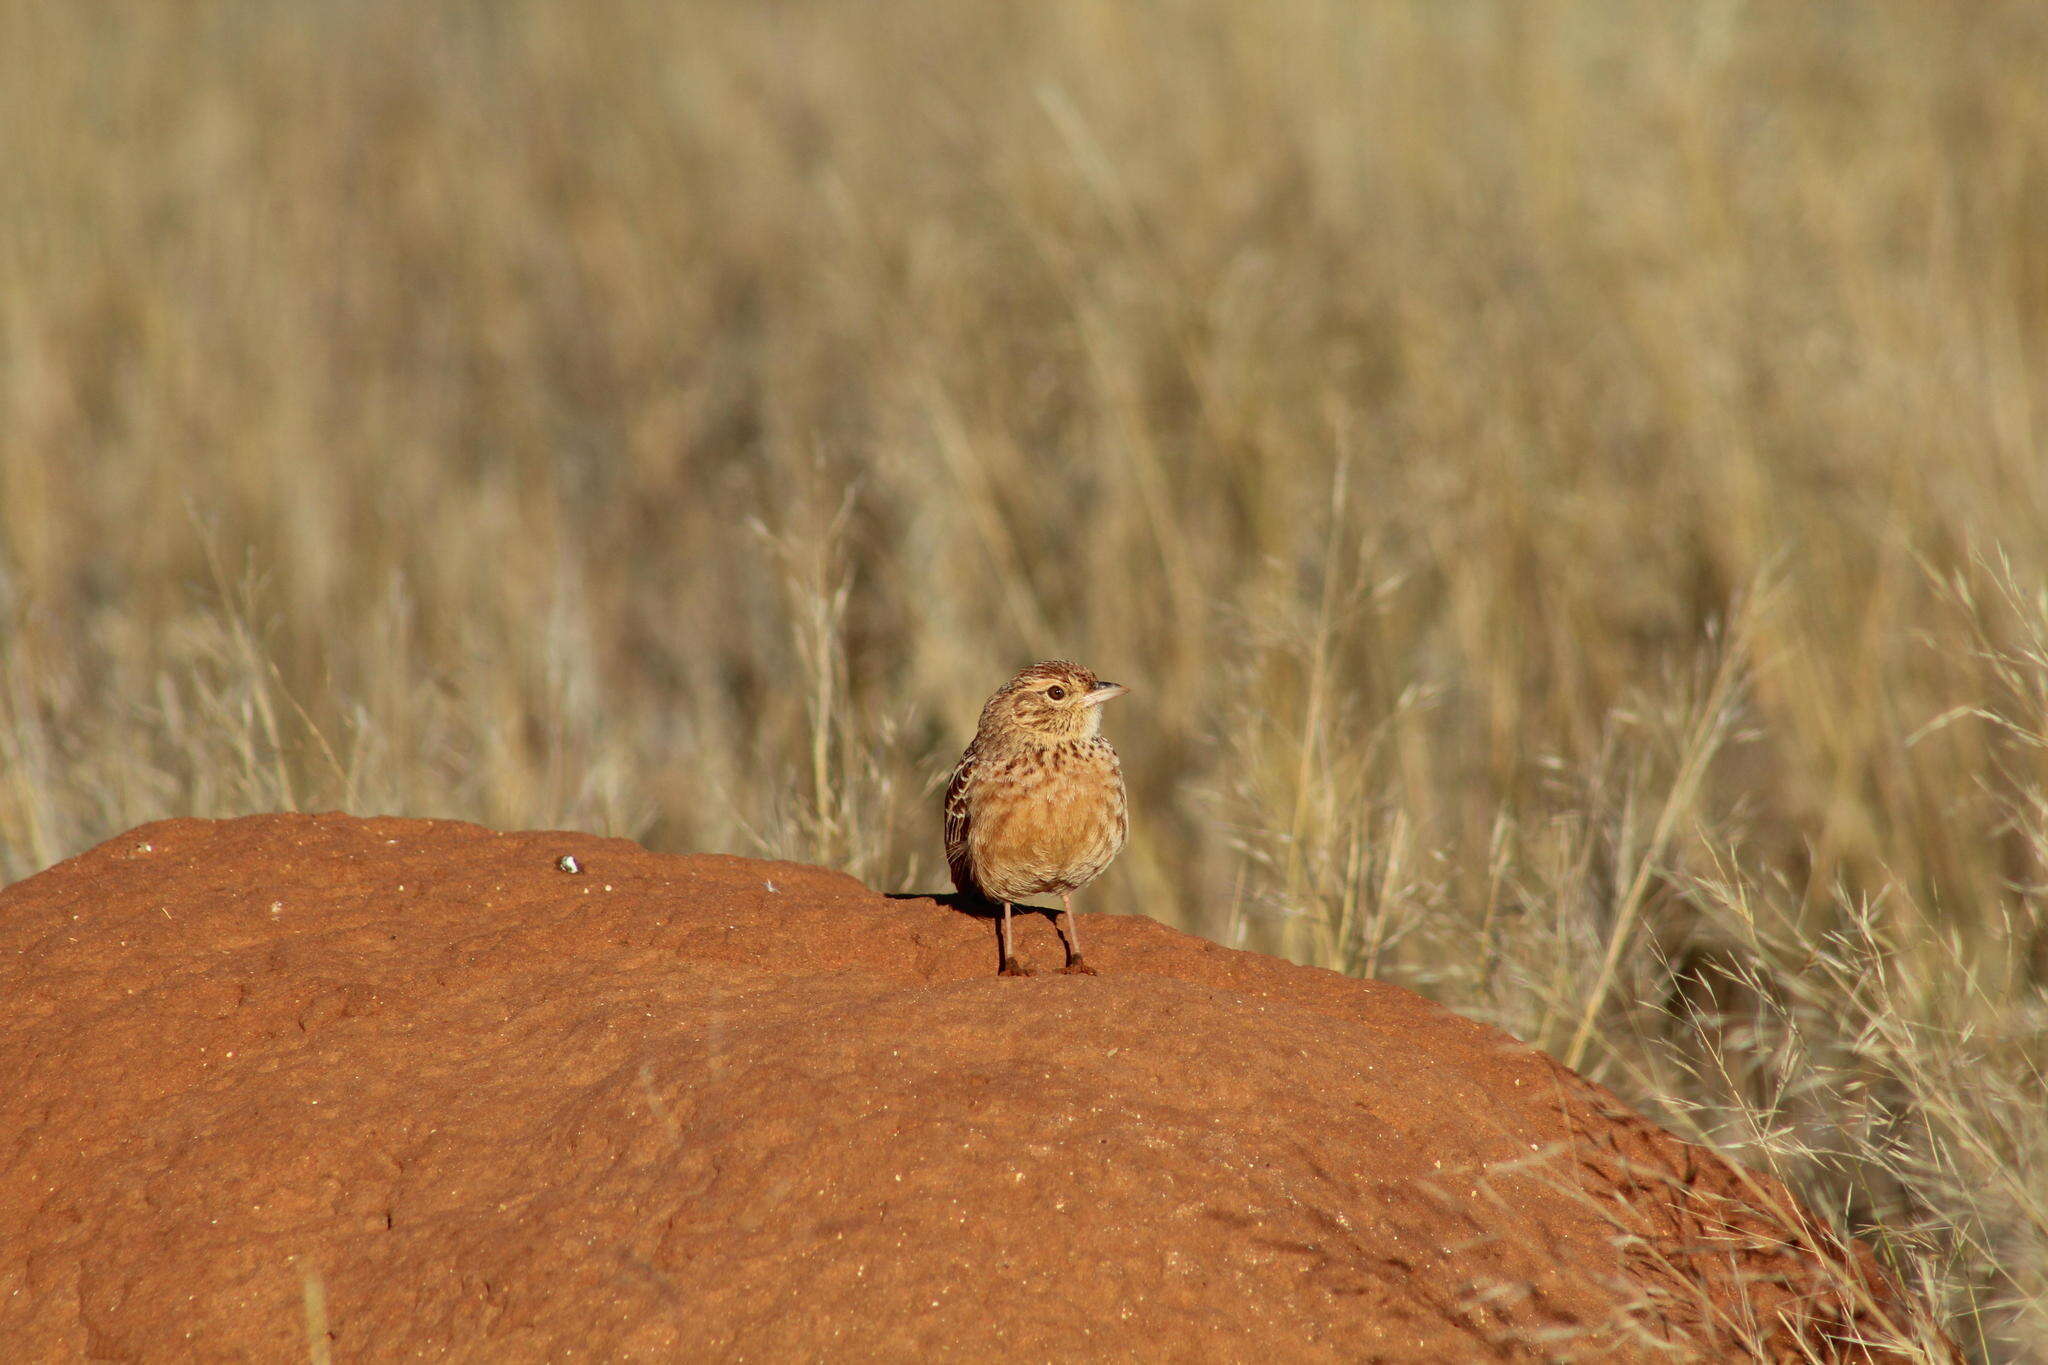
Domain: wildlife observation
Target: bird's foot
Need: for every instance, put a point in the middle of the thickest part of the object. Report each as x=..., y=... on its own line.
x=1011, y=967
x=1078, y=967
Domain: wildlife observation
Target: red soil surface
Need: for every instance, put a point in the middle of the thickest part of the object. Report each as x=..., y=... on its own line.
x=401, y=1087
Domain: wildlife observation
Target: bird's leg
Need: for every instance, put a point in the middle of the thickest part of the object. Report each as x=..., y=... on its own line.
x=1009, y=967
x=1074, y=963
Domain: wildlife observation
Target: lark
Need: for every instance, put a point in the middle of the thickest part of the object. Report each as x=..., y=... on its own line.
x=1036, y=806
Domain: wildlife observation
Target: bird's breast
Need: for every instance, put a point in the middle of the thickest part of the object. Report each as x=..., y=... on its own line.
x=1048, y=820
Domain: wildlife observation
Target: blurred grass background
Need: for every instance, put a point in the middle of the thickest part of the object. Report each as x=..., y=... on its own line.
x=1564, y=481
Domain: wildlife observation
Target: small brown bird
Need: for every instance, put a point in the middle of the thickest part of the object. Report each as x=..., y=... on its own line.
x=1037, y=803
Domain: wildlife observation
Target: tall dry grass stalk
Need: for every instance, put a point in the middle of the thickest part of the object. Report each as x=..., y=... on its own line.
x=1564, y=481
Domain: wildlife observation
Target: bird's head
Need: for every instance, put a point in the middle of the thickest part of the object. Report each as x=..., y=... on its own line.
x=1050, y=702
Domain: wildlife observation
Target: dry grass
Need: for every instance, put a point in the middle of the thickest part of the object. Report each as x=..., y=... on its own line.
x=1565, y=481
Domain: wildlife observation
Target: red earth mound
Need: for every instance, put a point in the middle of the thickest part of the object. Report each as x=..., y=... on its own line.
x=392, y=1087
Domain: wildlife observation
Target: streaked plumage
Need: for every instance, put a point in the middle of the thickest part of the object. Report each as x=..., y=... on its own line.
x=1036, y=805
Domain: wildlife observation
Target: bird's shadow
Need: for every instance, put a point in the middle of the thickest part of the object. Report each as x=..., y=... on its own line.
x=966, y=902
x=981, y=907
x=973, y=903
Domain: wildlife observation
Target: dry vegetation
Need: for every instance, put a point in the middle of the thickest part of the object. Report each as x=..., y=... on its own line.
x=1565, y=482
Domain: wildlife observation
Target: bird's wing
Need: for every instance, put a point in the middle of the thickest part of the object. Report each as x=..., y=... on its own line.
x=956, y=819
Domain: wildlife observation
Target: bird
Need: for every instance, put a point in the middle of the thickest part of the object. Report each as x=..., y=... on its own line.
x=1036, y=805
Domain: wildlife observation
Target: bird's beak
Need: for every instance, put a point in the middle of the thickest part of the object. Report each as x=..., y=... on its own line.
x=1104, y=691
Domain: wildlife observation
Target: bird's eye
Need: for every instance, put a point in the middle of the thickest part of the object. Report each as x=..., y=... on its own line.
x=1056, y=692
